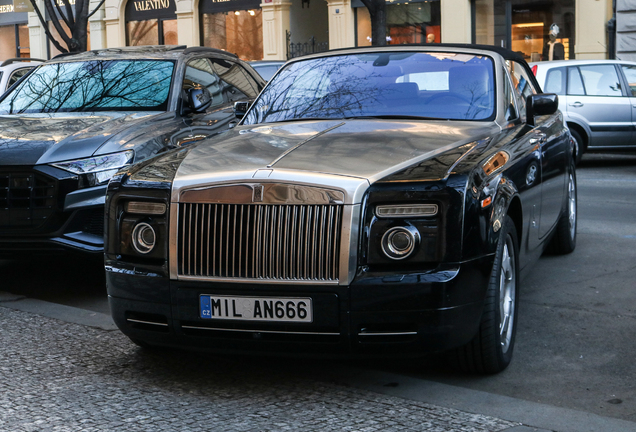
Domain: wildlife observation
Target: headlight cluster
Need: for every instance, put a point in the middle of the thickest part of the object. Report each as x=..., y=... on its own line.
x=396, y=231
x=143, y=229
x=97, y=170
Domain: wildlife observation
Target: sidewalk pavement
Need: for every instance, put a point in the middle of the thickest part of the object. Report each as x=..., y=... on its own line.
x=69, y=369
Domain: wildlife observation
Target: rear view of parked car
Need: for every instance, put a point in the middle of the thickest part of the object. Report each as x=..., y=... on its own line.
x=77, y=119
x=598, y=101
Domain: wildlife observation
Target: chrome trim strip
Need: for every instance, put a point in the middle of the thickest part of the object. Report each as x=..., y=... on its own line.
x=388, y=334
x=146, y=322
x=259, y=331
x=173, y=227
x=349, y=243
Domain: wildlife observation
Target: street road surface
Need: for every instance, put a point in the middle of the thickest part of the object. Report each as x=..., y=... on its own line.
x=575, y=342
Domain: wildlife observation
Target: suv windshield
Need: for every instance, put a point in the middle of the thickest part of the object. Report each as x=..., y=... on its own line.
x=397, y=84
x=100, y=85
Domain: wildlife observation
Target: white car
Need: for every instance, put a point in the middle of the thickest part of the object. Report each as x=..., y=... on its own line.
x=12, y=70
x=597, y=99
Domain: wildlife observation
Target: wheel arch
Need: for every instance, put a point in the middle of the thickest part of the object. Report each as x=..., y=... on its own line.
x=515, y=211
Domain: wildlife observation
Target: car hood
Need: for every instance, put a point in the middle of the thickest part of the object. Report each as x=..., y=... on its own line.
x=354, y=151
x=32, y=139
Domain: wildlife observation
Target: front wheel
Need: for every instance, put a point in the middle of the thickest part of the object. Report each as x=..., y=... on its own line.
x=490, y=351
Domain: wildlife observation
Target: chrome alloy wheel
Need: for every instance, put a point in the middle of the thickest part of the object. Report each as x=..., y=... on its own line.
x=507, y=280
x=572, y=206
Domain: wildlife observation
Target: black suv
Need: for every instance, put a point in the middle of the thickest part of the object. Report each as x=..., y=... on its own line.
x=74, y=121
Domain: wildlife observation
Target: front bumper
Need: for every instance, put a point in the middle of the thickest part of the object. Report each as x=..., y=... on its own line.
x=42, y=210
x=378, y=314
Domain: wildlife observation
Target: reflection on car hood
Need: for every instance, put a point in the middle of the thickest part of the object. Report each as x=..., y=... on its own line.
x=31, y=139
x=365, y=149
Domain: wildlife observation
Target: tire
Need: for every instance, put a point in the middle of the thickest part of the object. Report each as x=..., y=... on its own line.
x=564, y=239
x=579, y=144
x=490, y=351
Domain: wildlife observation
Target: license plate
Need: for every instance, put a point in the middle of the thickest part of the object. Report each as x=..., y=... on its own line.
x=283, y=309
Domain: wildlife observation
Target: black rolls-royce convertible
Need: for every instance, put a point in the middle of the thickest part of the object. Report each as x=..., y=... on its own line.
x=370, y=202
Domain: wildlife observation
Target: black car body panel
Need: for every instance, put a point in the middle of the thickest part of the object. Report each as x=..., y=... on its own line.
x=44, y=206
x=301, y=209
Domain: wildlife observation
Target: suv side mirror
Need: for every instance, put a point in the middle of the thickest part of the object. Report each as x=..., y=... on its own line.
x=240, y=109
x=541, y=104
x=199, y=99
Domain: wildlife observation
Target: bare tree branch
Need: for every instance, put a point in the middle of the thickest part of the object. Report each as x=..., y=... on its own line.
x=46, y=27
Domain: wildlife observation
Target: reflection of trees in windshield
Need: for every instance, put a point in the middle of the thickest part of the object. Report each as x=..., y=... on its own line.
x=93, y=85
x=402, y=84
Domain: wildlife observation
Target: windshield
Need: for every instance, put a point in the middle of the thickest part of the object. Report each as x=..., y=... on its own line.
x=397, y=84
x=100, y=85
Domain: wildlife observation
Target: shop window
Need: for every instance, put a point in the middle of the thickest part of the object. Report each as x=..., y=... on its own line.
x=7, y=42
x=154, y=26
x=239, y=32
x=539, y=30
x=407, y=23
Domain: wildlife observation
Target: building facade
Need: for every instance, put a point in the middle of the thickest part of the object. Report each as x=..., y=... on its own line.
x=280, y=29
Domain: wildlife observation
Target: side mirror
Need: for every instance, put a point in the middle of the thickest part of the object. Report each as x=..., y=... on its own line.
x=240, y=109
x=199, y=99
x=541, y=104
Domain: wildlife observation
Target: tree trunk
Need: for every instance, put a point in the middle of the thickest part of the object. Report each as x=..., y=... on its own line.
x=60, y=11
x=377, y=11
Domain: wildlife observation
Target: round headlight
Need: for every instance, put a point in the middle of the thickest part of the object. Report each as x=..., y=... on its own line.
x=400, y=242
x=143, y=238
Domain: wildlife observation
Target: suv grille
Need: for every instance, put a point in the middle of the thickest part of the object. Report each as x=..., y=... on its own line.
x=27, y=199
x=260, y=241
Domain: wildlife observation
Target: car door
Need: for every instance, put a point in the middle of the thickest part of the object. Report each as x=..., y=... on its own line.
x=552, y=146
x=596, y=97
x=629, y=73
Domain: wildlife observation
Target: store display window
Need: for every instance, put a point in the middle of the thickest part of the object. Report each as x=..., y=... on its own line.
x=14, y=33
x=412, y=22
x=540, y=30
x=235, y=26
x=151, y=23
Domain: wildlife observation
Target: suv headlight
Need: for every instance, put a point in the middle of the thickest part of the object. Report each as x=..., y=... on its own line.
x=97, y=170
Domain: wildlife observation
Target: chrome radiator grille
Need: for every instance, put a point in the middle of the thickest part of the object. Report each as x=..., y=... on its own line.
x=260, y=241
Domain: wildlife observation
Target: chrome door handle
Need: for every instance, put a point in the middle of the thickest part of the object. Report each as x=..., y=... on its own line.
x=576, y=104
x=540, y=138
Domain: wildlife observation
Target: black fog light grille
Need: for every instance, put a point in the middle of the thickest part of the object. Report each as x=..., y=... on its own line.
x=27, y=199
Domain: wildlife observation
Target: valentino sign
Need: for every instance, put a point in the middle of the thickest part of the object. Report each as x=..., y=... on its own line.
x=147, y=5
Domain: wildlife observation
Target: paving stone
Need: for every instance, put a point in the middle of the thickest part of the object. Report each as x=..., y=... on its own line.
x=58, y=377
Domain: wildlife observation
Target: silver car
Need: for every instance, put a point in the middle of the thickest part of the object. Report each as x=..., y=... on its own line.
x=12, y=70
x=597, y=98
